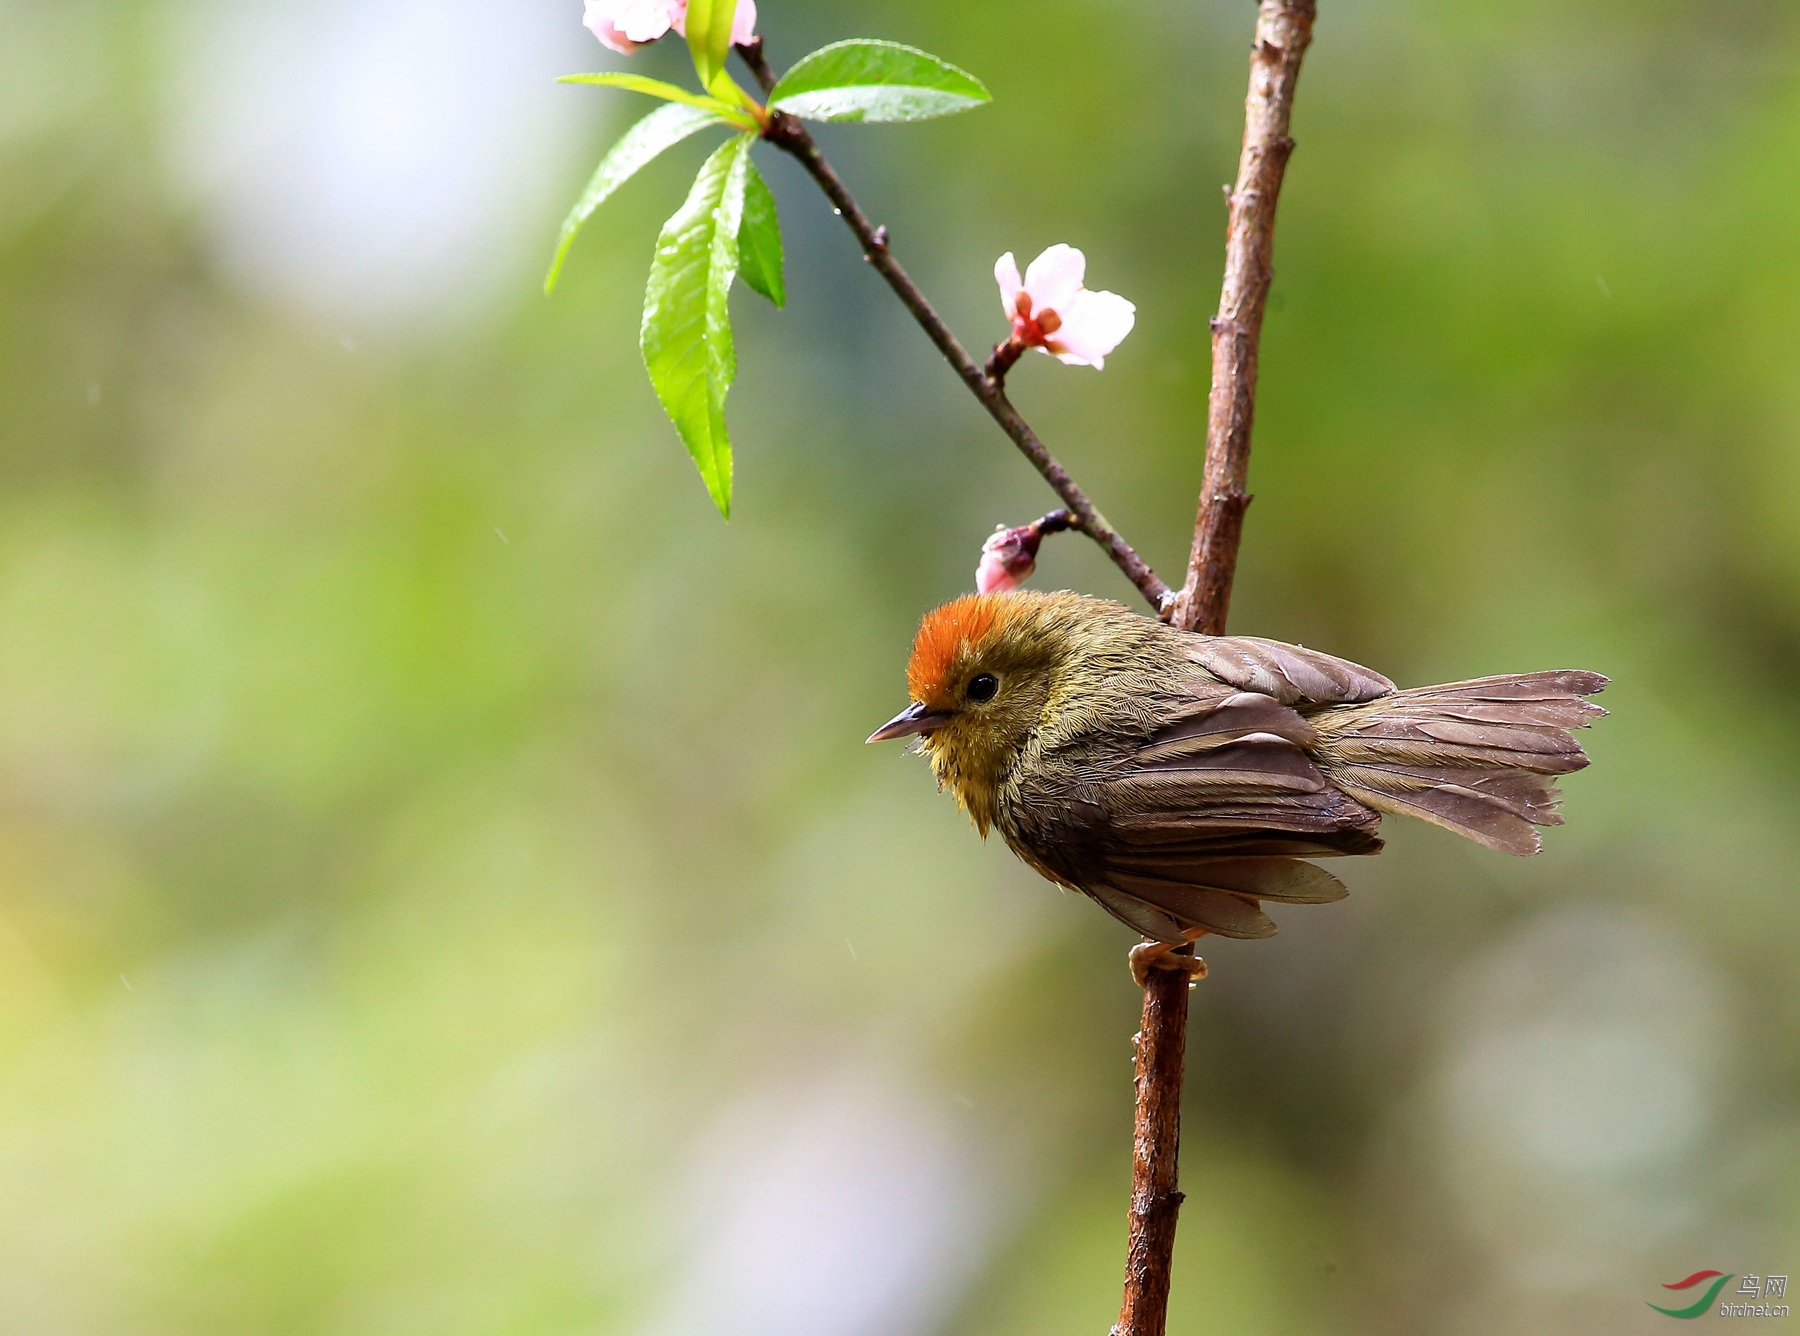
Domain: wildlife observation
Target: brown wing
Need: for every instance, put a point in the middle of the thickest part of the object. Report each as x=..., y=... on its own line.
x=1289, y=674
x=1210, y=815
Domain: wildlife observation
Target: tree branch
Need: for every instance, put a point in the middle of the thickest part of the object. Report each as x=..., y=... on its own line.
x=1283, y=31
x=988, y=386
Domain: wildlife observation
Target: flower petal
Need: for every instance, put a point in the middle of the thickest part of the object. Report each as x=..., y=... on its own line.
x=743, y=23
x=1054, y=278
x=1094, y=324
x=645, y=20
x=611, y=36
x=602, y=19
x=994, y=576
x=677, y=15
x=1006, y=274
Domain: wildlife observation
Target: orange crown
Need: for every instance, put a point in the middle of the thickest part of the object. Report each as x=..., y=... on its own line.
x=942, y=637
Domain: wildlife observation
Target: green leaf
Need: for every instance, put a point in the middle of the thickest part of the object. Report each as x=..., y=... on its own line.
x=661, y=129
x=875, y=81
x=709, y=35
x=759, y=244
x=686, y=335
x=727, y=90
x=668, y=92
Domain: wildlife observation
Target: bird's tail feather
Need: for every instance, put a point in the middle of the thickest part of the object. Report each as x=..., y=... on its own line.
x=1479, y=757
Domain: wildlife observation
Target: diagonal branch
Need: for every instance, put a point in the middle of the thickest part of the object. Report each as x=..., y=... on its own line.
x=1283, y=31
x=988, y=386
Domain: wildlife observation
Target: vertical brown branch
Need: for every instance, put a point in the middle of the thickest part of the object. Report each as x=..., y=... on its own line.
x=1283, y=31
x=1155, y=1150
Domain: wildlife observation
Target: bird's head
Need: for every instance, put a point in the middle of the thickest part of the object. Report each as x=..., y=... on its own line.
x=984, y=670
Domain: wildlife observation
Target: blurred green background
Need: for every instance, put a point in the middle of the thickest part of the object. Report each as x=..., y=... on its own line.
x=442, y=885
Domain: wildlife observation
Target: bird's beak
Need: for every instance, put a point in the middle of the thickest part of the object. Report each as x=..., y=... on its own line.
x=915, y=718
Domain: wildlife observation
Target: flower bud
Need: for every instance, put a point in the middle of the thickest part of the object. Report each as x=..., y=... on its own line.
x=1008, y=558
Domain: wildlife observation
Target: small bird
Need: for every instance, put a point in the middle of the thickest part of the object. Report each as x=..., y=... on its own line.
x=1181, y=779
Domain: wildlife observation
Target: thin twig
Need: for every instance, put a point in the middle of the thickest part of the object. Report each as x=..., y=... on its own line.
x=788, y=134
x=1283, y=31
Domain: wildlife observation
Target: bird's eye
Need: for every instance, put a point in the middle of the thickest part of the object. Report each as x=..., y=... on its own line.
x=982, y=687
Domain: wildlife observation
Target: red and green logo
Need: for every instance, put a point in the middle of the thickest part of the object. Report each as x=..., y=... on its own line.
x=1704, y=1302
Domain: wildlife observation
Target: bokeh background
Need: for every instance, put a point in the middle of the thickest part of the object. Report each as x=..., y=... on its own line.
x=442, y=885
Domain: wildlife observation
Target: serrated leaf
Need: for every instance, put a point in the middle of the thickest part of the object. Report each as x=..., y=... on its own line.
x=875, y=81
x=731, y=111
x=708, y=27
x=686, y=334
x=660, y=130
x=759, y=243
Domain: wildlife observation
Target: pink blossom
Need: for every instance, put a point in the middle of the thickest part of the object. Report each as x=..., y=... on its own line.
x=625, y=25
x=1007, y=558
x=1051, y=311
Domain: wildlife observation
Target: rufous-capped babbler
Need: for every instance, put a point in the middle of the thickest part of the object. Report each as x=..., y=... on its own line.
x=1181, y=779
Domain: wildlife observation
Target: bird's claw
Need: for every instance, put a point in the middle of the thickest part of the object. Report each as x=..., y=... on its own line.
x=1147, y=956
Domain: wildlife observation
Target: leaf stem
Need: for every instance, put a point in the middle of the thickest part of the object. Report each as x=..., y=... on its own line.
x=788, y=134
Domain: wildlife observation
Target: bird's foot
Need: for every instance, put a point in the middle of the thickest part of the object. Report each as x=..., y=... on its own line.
x=1147, y=956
